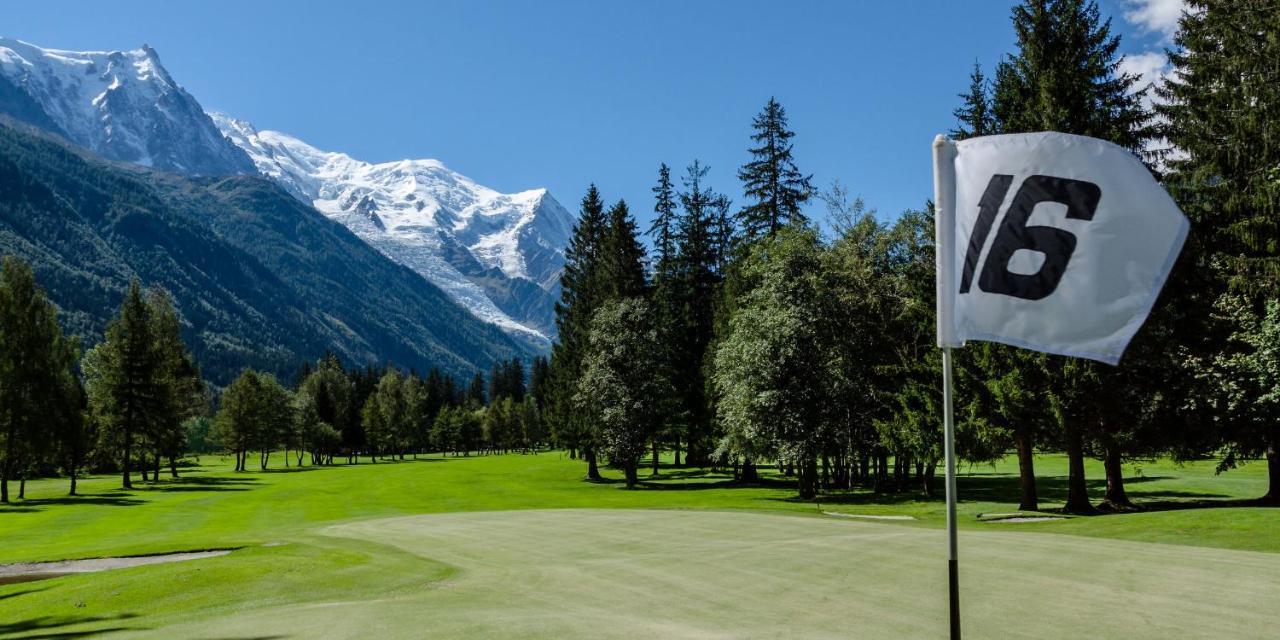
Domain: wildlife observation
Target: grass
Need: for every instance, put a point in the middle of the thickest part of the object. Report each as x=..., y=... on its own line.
x=332, y=535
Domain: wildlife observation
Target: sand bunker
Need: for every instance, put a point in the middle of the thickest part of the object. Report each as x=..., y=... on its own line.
x=28, y=571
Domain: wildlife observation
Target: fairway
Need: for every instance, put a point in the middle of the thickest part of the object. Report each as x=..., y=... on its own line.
x=519, y=546
x=680, y=574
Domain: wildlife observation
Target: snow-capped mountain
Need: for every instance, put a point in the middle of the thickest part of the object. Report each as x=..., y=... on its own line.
x=121, y=105
x=499, y=255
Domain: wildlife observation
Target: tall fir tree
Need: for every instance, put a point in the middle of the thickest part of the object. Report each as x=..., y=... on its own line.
x=1219, y=119
x=38, y=396
x=775, y=188
x=622, y=273
x=973, y=116
x=581, y=293
x=127, y=389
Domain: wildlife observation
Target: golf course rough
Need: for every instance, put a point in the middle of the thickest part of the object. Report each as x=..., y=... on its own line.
x=704, y=574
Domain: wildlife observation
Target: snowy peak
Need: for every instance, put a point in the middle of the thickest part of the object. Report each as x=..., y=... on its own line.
x=498, y=254
x=122, y=105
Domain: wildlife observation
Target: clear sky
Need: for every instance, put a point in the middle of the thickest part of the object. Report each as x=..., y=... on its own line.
x=559, y=94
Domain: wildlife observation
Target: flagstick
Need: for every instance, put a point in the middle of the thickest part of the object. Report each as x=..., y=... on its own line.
x=944, y=189
x=949, y=446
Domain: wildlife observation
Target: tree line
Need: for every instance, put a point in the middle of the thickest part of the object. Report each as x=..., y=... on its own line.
x=136, y=403
x=751, y=336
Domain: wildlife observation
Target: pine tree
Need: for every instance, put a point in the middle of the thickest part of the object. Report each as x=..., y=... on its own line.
x=581, y=293
x=695, y=291
x=38, y=395
x=184, y=393
x=973, y=116
x=1219, y=109
x=622, y=256
x=774, y=187
x=124, y=378
x=663, y=228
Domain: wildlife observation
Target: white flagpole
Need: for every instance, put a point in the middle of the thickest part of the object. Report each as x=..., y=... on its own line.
x=944, y=180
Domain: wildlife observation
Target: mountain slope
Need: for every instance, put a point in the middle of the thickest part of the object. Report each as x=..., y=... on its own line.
x=120, y=105
x=260, y=279
x=499, y=255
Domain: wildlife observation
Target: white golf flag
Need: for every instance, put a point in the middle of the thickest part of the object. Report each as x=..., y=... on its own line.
x=1048, y=241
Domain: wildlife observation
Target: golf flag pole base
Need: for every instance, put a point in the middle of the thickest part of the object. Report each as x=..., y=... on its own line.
x=949, y=429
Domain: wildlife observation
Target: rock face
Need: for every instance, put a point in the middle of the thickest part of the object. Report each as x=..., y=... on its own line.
x=499, y=255
x=121, y=105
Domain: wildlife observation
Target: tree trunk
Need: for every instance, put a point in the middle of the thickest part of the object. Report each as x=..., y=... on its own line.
x=1115, y=498
x=749, y=472
x=808, y=477
x=73, y=483
x=127, y=483
x=593, y=467
x=1077, y=490
x=929, y=469
x=1273, y=469
x=632, y=476
x=1027, y=473
x=155, y=469
x=7, y=470
x=173, y=466
x=677, y=461
x=655, y=456
x=22, y=487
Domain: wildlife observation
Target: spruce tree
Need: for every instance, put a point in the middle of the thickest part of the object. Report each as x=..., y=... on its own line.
x=1220, y=120
x=663, y=228
x=127, y=389
x=973, y=116
x=38, y=395
x=774, y=187
x=622, y=256
x=581, y=293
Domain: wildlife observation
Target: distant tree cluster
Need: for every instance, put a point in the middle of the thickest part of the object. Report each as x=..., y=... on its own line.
x=752, y=337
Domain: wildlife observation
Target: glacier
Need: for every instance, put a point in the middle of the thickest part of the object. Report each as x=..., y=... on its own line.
x=500, y=255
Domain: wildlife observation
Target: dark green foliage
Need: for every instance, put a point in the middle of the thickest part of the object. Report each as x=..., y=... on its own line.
x=40, y=396
x=1219, y=113
x=973, y=116
x=258, y=278
x=774, y=187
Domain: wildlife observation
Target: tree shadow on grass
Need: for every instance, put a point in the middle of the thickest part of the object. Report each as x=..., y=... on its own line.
x=50, y=627
x=110, y=499
x=202, y=483
x=15, y=594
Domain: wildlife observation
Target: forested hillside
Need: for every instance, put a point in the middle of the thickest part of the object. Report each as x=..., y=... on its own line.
x=260, y=279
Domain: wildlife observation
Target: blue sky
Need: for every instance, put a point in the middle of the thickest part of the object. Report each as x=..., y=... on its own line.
x=559, y=94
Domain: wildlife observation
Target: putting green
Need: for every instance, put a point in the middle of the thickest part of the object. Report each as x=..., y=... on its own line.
x=704, y=574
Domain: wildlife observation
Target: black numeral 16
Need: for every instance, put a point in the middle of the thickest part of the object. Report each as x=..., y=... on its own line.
x=1081, y=199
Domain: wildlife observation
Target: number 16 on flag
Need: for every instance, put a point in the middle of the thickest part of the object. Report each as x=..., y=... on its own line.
x=1048, y=241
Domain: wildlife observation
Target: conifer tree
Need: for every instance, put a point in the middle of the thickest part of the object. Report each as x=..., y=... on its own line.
x=126, y=389
x=581, y=293
x=622, y=256
x=973, y=116
x=663, y=228
x=774, y=187
x=38, y=396
x=1219, y=111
